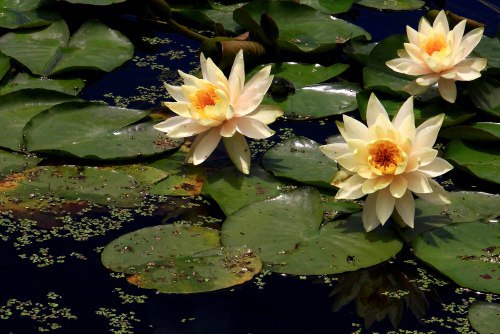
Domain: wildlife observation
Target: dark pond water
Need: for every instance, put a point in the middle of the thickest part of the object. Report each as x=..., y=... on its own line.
x=52, y=279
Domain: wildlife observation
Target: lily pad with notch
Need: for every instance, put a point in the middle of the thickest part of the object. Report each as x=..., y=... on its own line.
x=287, y=232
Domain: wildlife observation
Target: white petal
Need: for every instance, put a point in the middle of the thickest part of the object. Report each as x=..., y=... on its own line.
x=447, y=89
x=466, y=70
x=417, y=182
x=180, y=127
x=333, y=151
x=407, y=66
x=458, y=33
x=266, y=114
x=438, y=195
x=204, y=144
x=413, y=88
x=236, y=79
x=373, y=185
x=348, y=161
x=373, y=110
x=405, y=206
x=441, y=21
x=354, y=129
x=428, y=80
x=189, y=80
x=176, y=93
x=421, y=157
x=214, y=74
x=424, y=27
x=471, y=40
x=404, y=112
x=253, y=92
x=412, y=35
x=370, y=219
x=351, y=188
x=436, y=168
x=228, y=128
x=398, y=186
x=252, y=128
x=385, y=205
x=180, y=108
x=238, y=151
x=427, y=132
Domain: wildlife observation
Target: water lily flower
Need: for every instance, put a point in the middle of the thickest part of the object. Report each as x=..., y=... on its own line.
x=388, y=161
x=438, y=55
x=216, y=107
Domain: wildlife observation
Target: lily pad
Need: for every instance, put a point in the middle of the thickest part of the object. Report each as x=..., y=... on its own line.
x=233, y=190
x=455, y=114
x=317, y=31
x=477, y=132
x=301, y=74
x=485, y=317
x=482, y=161
x=317, y=101
x=465, y=207
x=100, y=132
x=146, y=175
x=17, y=109
x=179, y=259
x=95, y=185
x=50, y=50
x=299, y=159
x=95, y=2
x=467, y=253
x=329, y=6
x=485, y=94
x=393, y=4
x=15, y=162
x=22, y=81
x=288, y=234
x=16, y=14
x=4, y=65
x=183, y=179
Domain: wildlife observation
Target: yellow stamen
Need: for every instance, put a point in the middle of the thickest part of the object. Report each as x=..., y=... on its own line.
x=385, y=156
x=204, y=97
x=436, y=42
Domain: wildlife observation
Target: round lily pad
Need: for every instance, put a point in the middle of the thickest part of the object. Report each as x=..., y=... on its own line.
x=467, y=253
x=485, y=317
x=233, y=190
x=96, y=131
x=287, y=232
x=179, y=259
x=482, y=161
x=70, y=86
x=50, y=50
x=299, y=159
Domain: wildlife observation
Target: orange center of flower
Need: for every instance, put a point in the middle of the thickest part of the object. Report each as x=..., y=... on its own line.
x=204, y=97
x=384, y=156
x=434, y=43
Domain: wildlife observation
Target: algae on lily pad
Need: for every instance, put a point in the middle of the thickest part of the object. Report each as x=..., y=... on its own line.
x=467, y=253
x=287, y=232
x=299, y=159
x=179, y=259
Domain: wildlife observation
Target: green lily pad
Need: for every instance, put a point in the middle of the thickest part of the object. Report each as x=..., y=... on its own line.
x=482, y=161
x=4, y=65
x=485, y=317
x=329, y=6
x=317, y=101
x=489, y=48
x=465, y=207
x=477, y=132
x=455, y=114
x=485, y=94
x=15, y=162
x=317, y=31
x=101, y=132
x=299, y=159
x=16, y=14
x=208, y=18
x=91, y=184
x=179, y=259
x=301, y=74
x=50, y=50
x=393, y=4
x=95, y=2
x=22, y=81
x=183, y=179
x=146, y=175
x=359, y=50
x=288, y=233
x=467, y=253
x=17, y=109
x=233, y=190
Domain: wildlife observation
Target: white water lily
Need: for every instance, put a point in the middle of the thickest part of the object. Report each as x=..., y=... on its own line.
x=216, y=107
x=438, y=55
x=388, y=161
